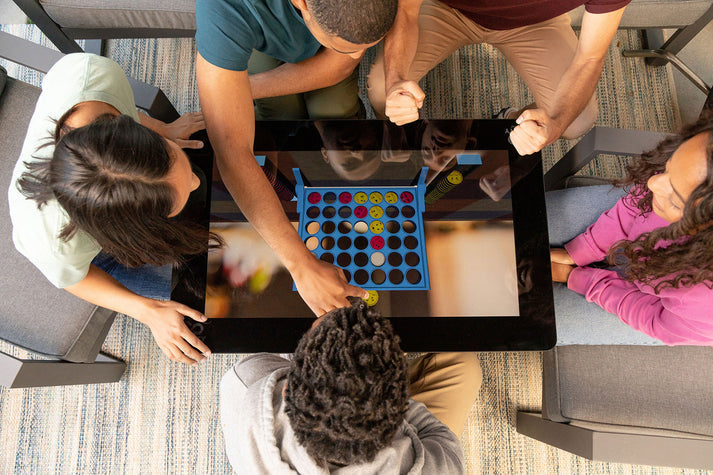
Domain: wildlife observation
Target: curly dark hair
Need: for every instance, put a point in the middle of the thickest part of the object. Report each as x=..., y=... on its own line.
x=347, y=389
x=109, y=176
x=357, y=21
x=688, y=259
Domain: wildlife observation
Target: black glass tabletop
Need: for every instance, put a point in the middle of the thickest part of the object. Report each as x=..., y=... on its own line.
x=441, y=220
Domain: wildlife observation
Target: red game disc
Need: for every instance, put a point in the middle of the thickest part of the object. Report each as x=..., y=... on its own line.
x=314, y=197
x=360, y=212
x=377, y=242
x=406, y=197
x=345, y=197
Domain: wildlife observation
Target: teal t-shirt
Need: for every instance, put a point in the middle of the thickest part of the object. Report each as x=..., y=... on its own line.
x=228, y=30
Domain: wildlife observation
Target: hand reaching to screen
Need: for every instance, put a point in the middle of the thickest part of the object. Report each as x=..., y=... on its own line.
x=165, y=319
x=403, y=100
x=323, y=286
x=182, y=128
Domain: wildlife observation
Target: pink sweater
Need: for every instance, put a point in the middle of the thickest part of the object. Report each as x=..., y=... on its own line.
x=682, y=316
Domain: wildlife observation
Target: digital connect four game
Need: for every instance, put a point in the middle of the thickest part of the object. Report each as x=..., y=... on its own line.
x=375, y=234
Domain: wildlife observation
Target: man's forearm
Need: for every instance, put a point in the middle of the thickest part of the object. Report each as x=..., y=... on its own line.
x=324, y=69
x=574, y=91
x=401, y=42
x=257, y=200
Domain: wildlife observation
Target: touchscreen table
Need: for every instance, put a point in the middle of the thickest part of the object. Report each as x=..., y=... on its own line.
x=441, y=220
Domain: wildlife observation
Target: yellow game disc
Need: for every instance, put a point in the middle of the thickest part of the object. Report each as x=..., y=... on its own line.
x=376, y=212
x=376, y=227
x=391, y=197
x=373, y=298
x=360, y=197
x=375, y=197
x=455, y=177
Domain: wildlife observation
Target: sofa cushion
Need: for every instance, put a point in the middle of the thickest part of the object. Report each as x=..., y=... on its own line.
x=33, y=313
x=655, y=13
x=134, y=14
x=655, y=387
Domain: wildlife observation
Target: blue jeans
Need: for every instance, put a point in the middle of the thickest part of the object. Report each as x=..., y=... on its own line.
x=148, y=281
x=569, y=213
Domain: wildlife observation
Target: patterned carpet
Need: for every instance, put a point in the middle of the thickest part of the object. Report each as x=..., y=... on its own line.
x=162, y=417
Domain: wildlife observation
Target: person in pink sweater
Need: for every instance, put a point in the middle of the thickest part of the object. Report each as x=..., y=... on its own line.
x=657, y=244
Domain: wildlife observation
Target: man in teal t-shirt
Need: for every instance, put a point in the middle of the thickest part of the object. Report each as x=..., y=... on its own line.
x=303, y=54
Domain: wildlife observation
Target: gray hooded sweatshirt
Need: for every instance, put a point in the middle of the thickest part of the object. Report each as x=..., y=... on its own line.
x=260, y=440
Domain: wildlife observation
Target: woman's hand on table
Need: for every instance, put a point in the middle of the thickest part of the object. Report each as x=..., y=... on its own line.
x=562, y=264
x=560, y=255
x=165, y=319
x=323, y=286
x=182, y=128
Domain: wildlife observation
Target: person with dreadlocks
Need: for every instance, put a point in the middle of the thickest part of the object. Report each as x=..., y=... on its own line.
x=342, y=404
x=658, y=244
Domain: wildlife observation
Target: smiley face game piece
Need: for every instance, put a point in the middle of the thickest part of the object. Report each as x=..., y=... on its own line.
x=373, y=298
x=375, y=234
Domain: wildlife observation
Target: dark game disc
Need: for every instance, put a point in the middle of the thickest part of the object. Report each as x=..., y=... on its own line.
x=344, y=227
x=344, y=243
x=329, y=212
x=327, y=243
x=393, y=226
x=395, y=259
x=378, y=276
x=361, y=243
x=361, y=259
x=413, y=276
x=361, y=277
x=345, y=212
x=328, y=227
x=313, y=212
x=396, y=277
x=412, y=259
x=344, y=259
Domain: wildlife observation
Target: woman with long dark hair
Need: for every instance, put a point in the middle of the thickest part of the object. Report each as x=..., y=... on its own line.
x=95, y=207
x=657, y=246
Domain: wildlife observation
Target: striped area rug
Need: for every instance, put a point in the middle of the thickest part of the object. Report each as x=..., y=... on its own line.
x=162, y=417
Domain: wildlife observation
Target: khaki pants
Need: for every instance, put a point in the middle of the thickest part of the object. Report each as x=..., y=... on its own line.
x=448, y=384
x=340, y=101
x=540, y=53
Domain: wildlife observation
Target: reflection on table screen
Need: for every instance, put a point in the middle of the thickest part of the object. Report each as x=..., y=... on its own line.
x=472, y=268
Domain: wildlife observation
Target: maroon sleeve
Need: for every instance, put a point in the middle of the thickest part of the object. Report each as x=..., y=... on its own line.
x=605, y=6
